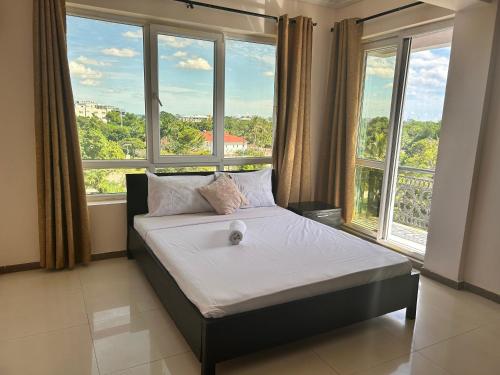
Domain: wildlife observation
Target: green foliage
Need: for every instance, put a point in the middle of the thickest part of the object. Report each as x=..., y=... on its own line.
x=119, y=137
x=373, y=138
x=180, y=137
x=419, y=142
x=419, y=147
x=123, y=136
x=258, y=131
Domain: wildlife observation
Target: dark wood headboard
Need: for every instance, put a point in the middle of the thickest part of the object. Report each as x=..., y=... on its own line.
x=137, y=191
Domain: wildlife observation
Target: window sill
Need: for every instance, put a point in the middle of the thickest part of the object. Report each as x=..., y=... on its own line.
x=417, y=262
x=105, y=202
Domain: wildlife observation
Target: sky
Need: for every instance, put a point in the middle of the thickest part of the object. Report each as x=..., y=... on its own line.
x=425, y=87
x=106, y=65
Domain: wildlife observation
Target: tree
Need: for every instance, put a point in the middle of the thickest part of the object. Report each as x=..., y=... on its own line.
x=180, y=137
x=93, y=143
x=419, y=147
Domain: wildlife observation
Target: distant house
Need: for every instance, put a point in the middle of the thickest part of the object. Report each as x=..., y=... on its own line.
x=195, y=118
x=232, y=143
x=89, y=108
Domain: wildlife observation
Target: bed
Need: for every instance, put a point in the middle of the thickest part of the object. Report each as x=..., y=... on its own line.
x=203, y=281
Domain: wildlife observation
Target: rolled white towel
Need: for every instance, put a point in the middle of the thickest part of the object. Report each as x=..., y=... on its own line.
x=237, y=229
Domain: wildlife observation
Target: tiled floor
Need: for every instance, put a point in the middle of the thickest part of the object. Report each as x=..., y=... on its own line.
x=105, y=319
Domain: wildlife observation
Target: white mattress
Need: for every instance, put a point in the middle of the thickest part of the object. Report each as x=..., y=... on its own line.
x=283, y=257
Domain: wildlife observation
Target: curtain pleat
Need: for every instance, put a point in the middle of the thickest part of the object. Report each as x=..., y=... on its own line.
x=338, y=155
x=62, y=208
x=291, y=152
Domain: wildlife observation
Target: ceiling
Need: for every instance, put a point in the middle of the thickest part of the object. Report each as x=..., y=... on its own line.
x=332, y=3
x=449, y=4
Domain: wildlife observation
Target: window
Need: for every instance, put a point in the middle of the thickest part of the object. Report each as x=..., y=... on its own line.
x=186, y=169
x=186, y=95
x=107, y=181
x=403, y=95
x=153, y=97
x=107, y=75
x=380, y=67
x=246, y=167
x=249, y=104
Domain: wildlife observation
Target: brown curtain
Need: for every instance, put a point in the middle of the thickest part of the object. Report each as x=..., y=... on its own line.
x=339, y=149
x=291, y=153
x=62, y=208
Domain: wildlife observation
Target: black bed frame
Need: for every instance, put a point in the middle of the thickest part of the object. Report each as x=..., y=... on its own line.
x=218, y=339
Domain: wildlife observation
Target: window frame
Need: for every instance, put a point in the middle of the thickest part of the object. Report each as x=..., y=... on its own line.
x=389, y=167
x=152, y=27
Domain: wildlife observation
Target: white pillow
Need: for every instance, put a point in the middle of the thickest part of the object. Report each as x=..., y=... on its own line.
x=173, y=195
x=256, y=186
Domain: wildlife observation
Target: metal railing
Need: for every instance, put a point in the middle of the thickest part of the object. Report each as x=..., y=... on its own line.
x=412, y=202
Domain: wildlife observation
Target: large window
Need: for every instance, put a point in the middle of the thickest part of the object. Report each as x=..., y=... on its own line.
x=186, y=95
x=151, y=97
x=398, y=138
x=249, y=94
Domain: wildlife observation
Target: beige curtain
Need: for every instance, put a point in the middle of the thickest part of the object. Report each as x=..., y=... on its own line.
x=62, y=209
x=339, y=148
x=291, y=153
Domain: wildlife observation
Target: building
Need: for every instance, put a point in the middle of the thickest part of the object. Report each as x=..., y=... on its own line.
x=232, y=143
x=89, y=108
x=195, y=118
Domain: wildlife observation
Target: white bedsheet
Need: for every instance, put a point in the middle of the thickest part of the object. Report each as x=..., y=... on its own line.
x=283, y=257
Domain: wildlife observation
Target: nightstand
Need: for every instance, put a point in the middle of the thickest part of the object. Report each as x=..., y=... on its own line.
x=319, y=211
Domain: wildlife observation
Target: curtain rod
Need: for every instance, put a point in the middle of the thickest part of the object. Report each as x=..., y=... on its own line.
x=190, y=4
x=390, y=11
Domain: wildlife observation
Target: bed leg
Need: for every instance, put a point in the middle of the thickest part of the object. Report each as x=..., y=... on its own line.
x=411, y=309
x=207, y=368
x=411, y=312
x=129, y=255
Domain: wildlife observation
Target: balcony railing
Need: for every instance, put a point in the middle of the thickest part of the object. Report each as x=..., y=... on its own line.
x=412, y=203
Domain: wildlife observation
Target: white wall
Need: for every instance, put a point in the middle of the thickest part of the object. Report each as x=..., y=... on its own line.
x=412, y=17
x=482, y=258
x=466, y=98
x=18, y=203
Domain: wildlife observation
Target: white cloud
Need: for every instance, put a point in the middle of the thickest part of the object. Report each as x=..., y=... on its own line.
x=380, y=67
x=82, y=71
x=88, y=61
x=89, y=82
x=428, y=74
x=88, y=76
x=269, y=73
x=267, y=59
x=180, y=54
x=119, y=52
x=196, y=63
x=133, y=34
x=173, y=41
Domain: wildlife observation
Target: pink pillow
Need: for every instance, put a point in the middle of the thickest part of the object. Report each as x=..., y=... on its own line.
x=223, y=195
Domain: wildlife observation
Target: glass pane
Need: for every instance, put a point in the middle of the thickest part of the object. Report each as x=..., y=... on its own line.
x=422, y=113
x=107, y=76
x=373, y=130
x=249, y=99
x=209, y=168
x=107, y=181
x=186, y=92
x=367, y=197
x=424, y=99
x=246, y=167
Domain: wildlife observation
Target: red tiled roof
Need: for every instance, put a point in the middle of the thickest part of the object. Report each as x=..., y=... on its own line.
x=228, y=138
